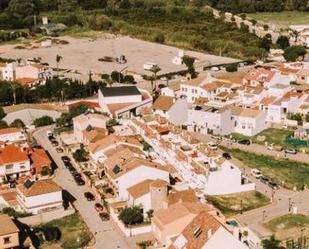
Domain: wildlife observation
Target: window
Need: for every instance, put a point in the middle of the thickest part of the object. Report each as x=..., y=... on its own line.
x=9, y=166
x=7, y=240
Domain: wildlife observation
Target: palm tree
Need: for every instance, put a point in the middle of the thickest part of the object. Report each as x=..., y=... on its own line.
x=14, y=86
x=58, y=59
x=150, y=78
x=155, y=69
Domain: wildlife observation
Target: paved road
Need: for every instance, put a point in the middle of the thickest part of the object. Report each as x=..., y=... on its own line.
x=106, y=234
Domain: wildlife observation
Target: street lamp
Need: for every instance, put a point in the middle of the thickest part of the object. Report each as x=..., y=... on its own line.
x=264, y=215
x=290, y=204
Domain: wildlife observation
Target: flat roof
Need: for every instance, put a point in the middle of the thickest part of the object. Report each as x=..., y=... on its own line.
x=119, y=91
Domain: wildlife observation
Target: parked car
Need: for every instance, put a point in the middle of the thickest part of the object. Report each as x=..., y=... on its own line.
x=217, y=137
x=55, y=143
x=264, y=179
x=98, y=207
x=89, y=196
x=59, y=150
x=80, y=182
x=273, y=185
x=65, y=159
x=104, y=216
x=49, y=134
x=274, y=147
x=226, y=155
x=244, y=142
x=291, y=151
x=212, y=146
x=256, y=173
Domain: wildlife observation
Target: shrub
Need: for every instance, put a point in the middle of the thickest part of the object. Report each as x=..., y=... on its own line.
x=132, y=215
x=46, y=171
x=294, y=52
x=231, y=68
x=12, y=213
x=42, y=121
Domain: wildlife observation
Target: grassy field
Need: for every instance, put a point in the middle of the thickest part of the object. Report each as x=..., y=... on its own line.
x=74, y=233
x=282, y=19
x=289, y=226
x=272, y=135
x=231, y=205
x=290, y=172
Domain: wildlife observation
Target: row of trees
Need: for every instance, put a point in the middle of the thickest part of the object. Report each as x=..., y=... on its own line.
x=250, y=6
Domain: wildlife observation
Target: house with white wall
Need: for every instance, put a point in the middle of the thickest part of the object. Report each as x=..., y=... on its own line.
x=33, y=71
x=124, y=101
x=12, y=135
x=39, y=196
x=136, y=170
x=250, y=122
x=87, y=121
x=14, y=162
x=8, y=71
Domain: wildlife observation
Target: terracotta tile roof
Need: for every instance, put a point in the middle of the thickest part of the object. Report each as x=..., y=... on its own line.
x=195, y=82
x=7, y=225
x=40, y=159
x=9, y=130
x=113, y=108
x=119, y=156
x=39, y=188
x=135, y=163
x=104, y=143
x=143, y=187
x=268, y=100
x=163, y=103
x=26, y=81
x=11, y=154
x=259, y=74
x=19, y=107
x=37, y=65
x=198, y=231
x=212, y=86
x=303, y=72
x=250, y=113
x=177, y=211
x=95, y=134
x=182, y=196
x=85, y=103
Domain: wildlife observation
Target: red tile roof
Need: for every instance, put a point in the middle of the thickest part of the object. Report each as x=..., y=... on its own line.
x=12, y=154
x=26, y=81
x=39, y=159
x=9, y=130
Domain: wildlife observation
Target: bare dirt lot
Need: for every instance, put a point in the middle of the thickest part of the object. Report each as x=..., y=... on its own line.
x=82, y=54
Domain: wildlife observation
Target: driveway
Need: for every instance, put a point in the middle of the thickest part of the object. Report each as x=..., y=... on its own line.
x=106, y=234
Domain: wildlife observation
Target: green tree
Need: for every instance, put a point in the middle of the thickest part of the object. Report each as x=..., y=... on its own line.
x=42, y=121
x=80, y=154
x=271, y=243
x=58, y=59
x=2, y=113
x=189, y=62
x=231, y=68
x=68, y=5
x=3, y=124
x=307, y=117
x=18, y=123
x=155, y=70
x=293, y=53
x=266, y=43
x=20, y=9
x=283, y=42
x=131, y=215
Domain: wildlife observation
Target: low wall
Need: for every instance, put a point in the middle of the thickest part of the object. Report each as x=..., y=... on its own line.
x=46, y=217
x=130, y=231
x=241, y=188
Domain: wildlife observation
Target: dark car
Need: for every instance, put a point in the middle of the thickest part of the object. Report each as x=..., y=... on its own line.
x=80, y=181
x=98, y=207
x=51, y=138
x=89, y=196
x=104, y=216
x=55, y=143
x=226, y=155
x=264, y=179
x=65, y=159
x=244, y=142
x=273, y=185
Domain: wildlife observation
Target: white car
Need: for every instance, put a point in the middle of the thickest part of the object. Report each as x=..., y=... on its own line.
x=256, y=173
x=212, y=146
x=49, y=133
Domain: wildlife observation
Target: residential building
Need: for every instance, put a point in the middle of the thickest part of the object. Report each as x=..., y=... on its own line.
x=9, y=233
x=39, y=161
x=11, y=135
x=170, y=222
x=33, y=71
x=8, y=71
x=14, y=162
x=206, y=232
x=122, y=102
x=39, y=196
x=87, y=122
x=303, y=76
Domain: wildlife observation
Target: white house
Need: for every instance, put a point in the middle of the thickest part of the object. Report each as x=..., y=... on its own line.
x=40, y=196
x=12, y=135
x=250, y=122
x=223, y=178
x=123, y=101
x=135, y=171
x=87, y=121
x=33, y=71
x=211, y=120
x=8, y=71
x=14, y=162
x=206, y=232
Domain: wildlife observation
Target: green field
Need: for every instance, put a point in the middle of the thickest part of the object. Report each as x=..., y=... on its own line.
x=231, y=205
x=289, y=225
x=293, y=174
x=74, y=233
x=282, y=19
x=272, y=135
